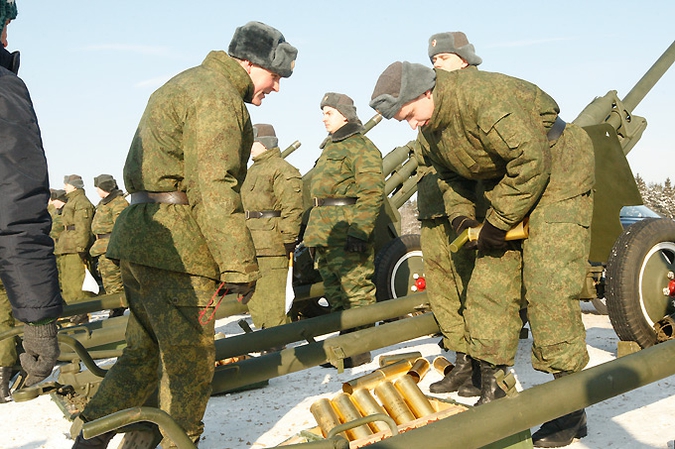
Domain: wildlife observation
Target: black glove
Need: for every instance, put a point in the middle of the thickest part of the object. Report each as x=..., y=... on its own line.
x=289, y=248
x=459, y=224
x=42, y=351
x=354, y=245
x=244, y=290
x=491, y=238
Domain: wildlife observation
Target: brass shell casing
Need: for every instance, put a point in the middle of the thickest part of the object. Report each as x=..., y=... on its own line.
x=418, y=369
x=385, y=360
x=394, y=403
x=442, y=365
x=369, y=381
x=413, y=397
x=325, y=415
x=367, y=405
x=347, y=412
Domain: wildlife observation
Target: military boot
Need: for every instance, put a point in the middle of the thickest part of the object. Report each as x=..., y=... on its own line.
x=561, y=431
x=5, y=376
x=99, y=442
x=456, y=377
x=489, y=390
x=471, y=386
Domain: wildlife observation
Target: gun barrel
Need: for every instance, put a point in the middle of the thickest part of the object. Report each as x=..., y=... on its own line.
x=649, y=79
x=370, y=124
x=291, y=148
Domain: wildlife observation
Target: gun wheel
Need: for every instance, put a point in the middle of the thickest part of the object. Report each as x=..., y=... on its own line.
x=637, y=273
x=399, y=268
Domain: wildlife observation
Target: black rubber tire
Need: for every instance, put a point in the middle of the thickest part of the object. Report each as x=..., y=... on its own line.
x=600, y=305
x=393, y=266
x=637, y=271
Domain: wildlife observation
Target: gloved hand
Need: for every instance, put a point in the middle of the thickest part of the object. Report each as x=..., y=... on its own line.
x=244, y=290
x=491, y=238
x=459, y=224
x=42, y=351
x=289, y=248
x=354, y=245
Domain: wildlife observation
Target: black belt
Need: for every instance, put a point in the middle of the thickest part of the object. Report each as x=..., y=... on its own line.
x=262, y=213
x=556, y=130
x=159, y=197
x=102, y=236
x=70, y=228
x=346, y=201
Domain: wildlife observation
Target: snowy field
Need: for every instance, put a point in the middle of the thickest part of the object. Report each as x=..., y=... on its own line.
x=263, y=418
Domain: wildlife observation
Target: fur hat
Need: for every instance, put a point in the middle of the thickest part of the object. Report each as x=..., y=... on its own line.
x=7, y=12
x=105, y=182
x=453, y=42
x=342, y=103
x=58, y=194
x=265, y=134
x=264, y=46
x=74, y=180
x=399, y=84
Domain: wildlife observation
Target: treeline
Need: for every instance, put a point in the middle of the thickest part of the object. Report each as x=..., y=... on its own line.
x=658, y=197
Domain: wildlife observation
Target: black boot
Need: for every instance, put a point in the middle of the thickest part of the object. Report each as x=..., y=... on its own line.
x=456, y=377
x=471, y=387
x=561, y=431
x=5, y=376
x=99, y=442
x=489, y=390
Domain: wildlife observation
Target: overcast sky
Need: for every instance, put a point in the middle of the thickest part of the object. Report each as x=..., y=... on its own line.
x=91, y=65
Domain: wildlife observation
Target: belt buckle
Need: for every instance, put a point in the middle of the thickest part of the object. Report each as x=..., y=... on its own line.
x=316, y=202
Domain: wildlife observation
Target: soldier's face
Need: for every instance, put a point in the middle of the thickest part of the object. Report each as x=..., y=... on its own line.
x=448, y=62
x=264, y=82
x=332, y=119
x=417, y=112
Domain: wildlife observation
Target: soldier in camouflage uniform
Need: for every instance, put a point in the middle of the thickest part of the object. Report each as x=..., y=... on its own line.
x=72, y=248
x=272, y=199
x=184, y=233
x=507, y=133
x=108, y=209
x=347, y=193
x=57, y=200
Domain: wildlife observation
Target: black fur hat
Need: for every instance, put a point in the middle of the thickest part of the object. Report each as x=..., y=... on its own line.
x=105, y=182
x=264, y=46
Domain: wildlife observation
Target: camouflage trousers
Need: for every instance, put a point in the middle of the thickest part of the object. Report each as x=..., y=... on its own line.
x=549, y=268
x=71, y=275
x=168, y=348
x=447, y=275
x=110, y=274
x=269, y=300
x=347, y=277
x=7, y=346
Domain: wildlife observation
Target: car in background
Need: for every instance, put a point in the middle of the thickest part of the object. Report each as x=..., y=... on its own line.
x=632, y=214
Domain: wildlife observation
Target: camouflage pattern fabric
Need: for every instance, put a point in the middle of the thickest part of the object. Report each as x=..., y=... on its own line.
x=272, y=184
x=110, y=275
x=523, y=174
x=195, y=137
x=350, y=166
x=168, y=348
x=107, y=211
x=57, y=222
x=76, y=216
x=268, y=303
x=71, y=276
x=7, y=346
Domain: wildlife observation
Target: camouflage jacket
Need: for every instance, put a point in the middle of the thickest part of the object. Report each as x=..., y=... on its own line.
x=195, y=136
x=273, y=184
x=492, y=127
x=430, y=186
x=107, y=211
x=57, y=222
x=349, y=166
x=76, y=216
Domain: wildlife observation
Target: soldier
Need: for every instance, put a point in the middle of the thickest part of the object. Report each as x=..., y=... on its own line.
x=185, y=231
x=108, y=209
x=447, y=274
x=8, y=356
x=72, y=248
x=506, y=132
x=57, y=200
x=27, y=263
x=272, y=198
x=347, y=190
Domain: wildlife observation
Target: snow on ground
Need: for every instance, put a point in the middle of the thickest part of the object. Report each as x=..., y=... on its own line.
x=263, y=418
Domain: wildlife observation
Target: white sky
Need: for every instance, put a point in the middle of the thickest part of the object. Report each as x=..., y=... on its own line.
x=91, y=66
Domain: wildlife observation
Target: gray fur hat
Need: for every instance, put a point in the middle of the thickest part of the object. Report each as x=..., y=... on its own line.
x=453, y=42
x=58, y=194
x=265, y=134
x=264, y=46
x=343, y=103
x=105, y=182
x=74, y=180
x=400, y=83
